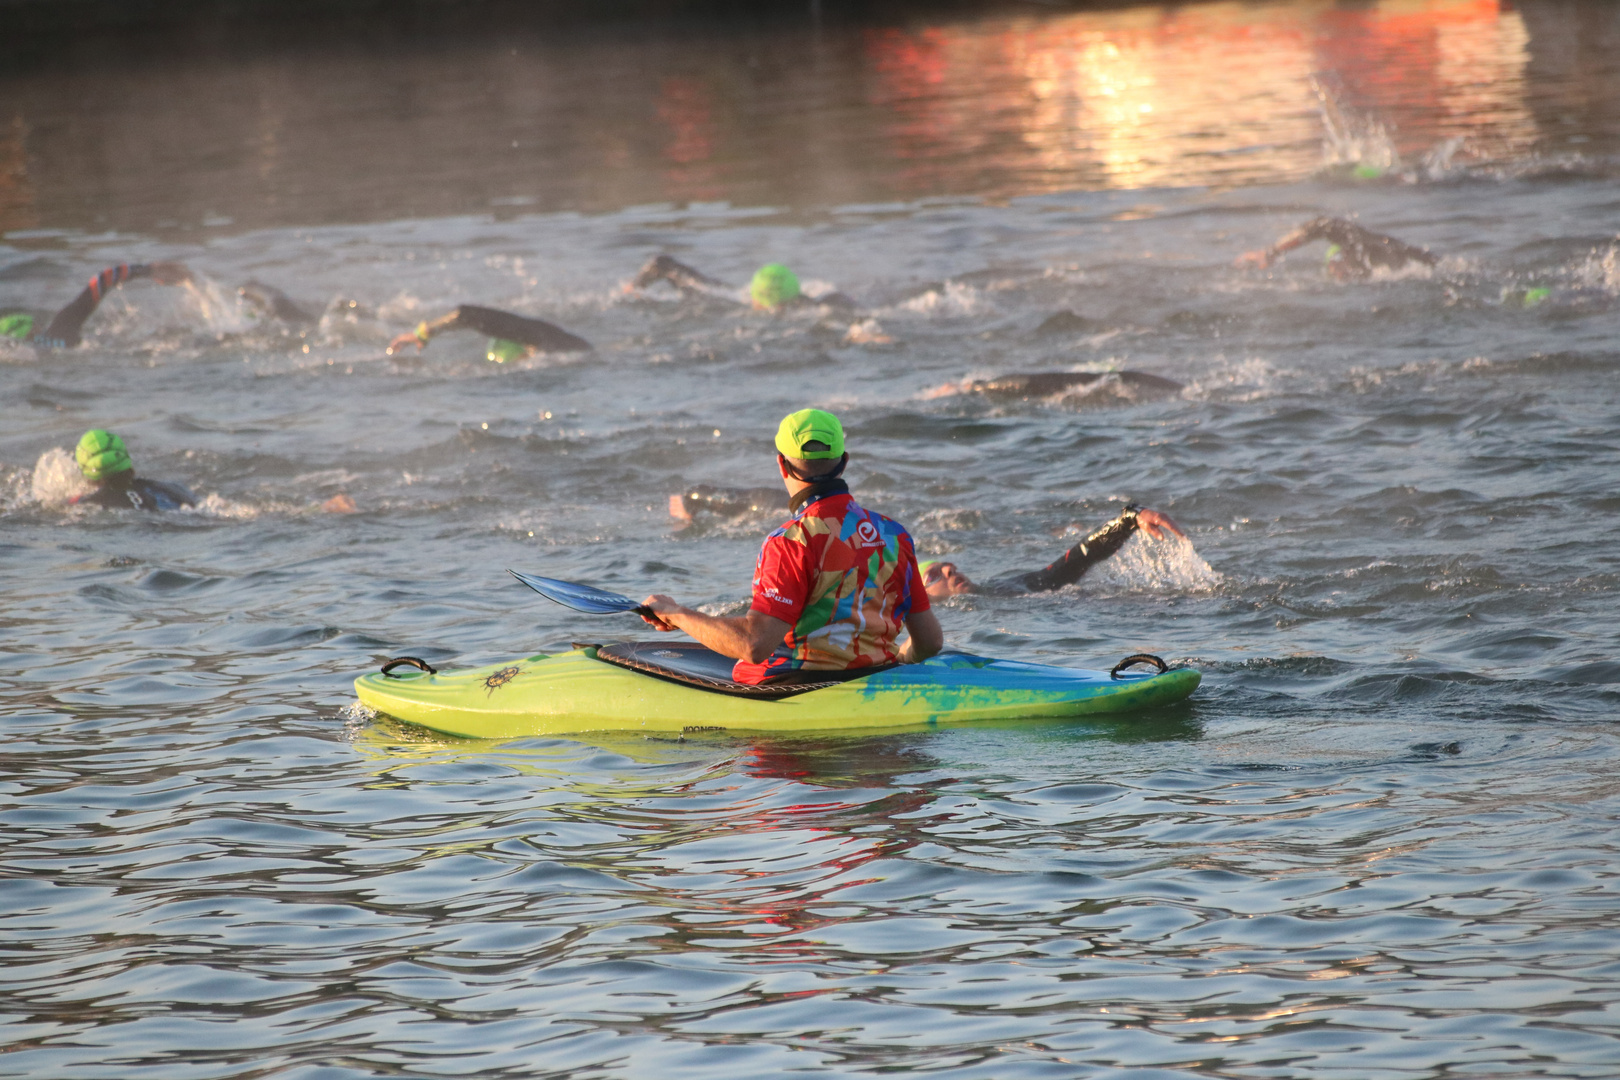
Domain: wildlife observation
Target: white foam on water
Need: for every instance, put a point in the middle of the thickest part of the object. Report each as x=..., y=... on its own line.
x=57, y=480
x=954, y=298
x=1246, y=380
x=1601, y=270
x=1170, y=565
x=217, y=506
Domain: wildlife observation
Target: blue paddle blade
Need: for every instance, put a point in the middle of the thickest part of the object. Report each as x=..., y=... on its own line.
x=584, y=598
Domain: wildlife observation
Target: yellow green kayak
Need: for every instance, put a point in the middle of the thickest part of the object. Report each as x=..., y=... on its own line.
x=681, y=686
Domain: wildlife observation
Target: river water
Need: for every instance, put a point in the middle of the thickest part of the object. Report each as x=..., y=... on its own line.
x=1380, y=840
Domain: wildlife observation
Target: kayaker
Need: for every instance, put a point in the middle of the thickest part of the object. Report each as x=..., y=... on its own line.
x=105, y=462
x=941, y=578
x=64, y=329
x=1353, y=252
x=512, y=337
x=773, y=288
x=833, y=585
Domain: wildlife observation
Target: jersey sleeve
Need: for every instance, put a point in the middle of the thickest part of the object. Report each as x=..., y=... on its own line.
x=782, y=579
x=916, y=588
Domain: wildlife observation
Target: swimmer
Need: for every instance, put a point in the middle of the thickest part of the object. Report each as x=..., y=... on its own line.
x=1041, y=384
x=104, y=461
x=942, y=579
x=64, y=329
x=722, y=502
x=774, y=287
x=512, y=337
x=1353, y=252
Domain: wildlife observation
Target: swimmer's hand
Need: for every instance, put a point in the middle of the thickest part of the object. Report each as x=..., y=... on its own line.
x=339, y=504
x=1156, y=524
x=403, y=340
x=169, y=273
x=659, y=604
x=1259, y=260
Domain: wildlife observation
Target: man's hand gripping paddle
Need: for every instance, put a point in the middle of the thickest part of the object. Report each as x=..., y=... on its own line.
x=591, y=601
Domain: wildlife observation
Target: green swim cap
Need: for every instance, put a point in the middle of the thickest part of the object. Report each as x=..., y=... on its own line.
x=18, y=325
x=501, y=350
x=1368, y=172
x=773, y=286
x=1532, y=297
x=810, y=434
x=1333, y=252
x=100, y=454
x=922, y=567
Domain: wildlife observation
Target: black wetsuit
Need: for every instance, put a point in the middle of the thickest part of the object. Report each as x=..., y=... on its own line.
x=535, y=333
x=1360, y=250
x=1074, y=564
x=64, y=329
x=125, y=491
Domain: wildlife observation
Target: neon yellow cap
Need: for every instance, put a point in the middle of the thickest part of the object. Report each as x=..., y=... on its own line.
x=100, y=454
x=810, y=434
x=773, y=286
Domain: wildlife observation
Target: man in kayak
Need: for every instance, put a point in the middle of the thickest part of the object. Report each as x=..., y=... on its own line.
x=104, y=461
x=64, y=329
x=512, y=337
x=774, y=287
x=832, y=587
x=1353, y=252
x=941, y=578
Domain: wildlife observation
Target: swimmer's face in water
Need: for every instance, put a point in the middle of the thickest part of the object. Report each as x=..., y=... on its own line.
x=943, y=579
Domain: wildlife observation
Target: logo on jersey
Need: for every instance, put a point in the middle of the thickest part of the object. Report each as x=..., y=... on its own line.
x=774, y=595
x=866, y=534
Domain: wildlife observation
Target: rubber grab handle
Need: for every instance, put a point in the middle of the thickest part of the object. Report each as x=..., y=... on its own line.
x=1138, y=658
x=408, y=661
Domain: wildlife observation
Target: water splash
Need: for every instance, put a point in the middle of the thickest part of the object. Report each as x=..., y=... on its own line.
x=1170, y=565
x=220, y=309
x=217, y=506
x=1352, y=140
x=57, y=480
x=1601, y=270
x=953, y=298
x=1252, y=379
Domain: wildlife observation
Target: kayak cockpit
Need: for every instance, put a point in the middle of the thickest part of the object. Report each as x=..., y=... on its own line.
x=691, y=664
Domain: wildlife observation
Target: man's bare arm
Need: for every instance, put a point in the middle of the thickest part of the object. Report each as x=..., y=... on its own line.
x=751, y=637
x=926, y=637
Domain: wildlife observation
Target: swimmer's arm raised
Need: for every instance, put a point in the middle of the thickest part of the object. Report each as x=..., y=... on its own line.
x=67, y=326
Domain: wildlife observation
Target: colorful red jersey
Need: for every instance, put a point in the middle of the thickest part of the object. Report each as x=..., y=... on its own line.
x=844, y=579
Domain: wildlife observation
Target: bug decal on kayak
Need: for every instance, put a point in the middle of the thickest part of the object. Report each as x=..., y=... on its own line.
x=501, y=678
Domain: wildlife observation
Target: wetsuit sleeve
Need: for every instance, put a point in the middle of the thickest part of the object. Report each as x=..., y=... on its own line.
x=65, y=328
x=782, y=579
x=1097, y=547
x=1322, y=228
x=677, y=273
x=536, y=333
